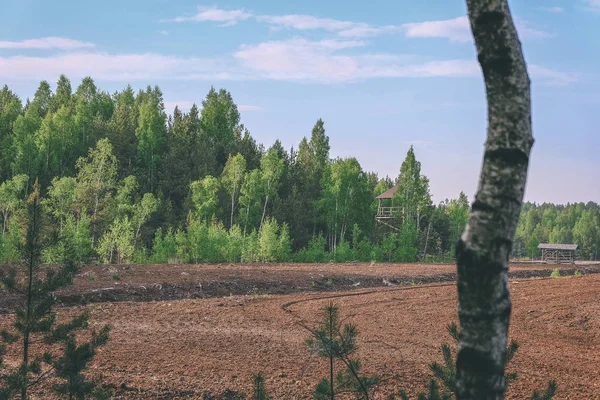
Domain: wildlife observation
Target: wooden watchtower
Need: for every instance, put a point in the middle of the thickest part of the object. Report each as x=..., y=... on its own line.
x=386, y=209
x=558, y=253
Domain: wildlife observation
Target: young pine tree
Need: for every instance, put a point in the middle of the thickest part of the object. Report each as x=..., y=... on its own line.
x=259, y=392
x=35, y=323
x=336, y=343
x=443, y=385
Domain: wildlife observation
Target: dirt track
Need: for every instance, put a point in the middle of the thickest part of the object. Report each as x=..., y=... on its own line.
x=186, y=348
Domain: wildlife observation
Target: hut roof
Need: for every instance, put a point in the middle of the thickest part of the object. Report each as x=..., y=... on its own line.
x=557, y=246
x=388, y=194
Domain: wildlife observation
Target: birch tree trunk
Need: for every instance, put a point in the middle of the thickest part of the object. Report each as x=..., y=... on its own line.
x=482, y=253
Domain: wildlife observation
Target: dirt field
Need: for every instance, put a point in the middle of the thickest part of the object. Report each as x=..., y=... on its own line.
x=188, y=348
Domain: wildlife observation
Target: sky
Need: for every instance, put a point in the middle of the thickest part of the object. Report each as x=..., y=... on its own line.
x=382, y=74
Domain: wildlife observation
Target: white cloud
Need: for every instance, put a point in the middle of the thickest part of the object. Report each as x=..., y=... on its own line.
x=594, y=5
x=456, y=29
x=320, y=61
x=291, y=21
x=113, y=67
x=214, y=14
x=246, y=107
x=554, y=9
x=297, y=60
x=164, y=33
x=46, y=43
x=459, y=30
x=183, y=105
x=550, y=76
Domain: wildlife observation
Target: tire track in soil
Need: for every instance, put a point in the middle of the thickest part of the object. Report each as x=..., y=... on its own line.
x=537, y=274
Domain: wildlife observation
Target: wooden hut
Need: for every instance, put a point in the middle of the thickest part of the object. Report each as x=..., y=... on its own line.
x=386, y=209
x=558, y=253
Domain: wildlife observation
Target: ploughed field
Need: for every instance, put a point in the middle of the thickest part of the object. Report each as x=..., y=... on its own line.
x=201, y=331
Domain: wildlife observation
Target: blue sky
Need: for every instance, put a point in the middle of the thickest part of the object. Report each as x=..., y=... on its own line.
x=381, y=74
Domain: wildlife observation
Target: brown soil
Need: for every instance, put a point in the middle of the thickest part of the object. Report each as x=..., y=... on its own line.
x=174, y=282
x=189, y=348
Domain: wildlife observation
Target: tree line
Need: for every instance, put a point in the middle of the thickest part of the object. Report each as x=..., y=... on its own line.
x=125, y=182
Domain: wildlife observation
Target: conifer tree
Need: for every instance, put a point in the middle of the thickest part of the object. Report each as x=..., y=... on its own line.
x=338, y=344
x=35, y=320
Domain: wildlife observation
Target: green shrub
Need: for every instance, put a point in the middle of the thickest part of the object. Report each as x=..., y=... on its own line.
x=9, y=244
x=251, y=248
x=578, y=273
x=268, y=241
x=343, y=252
x=235, y=245
x=164, y=247
x=315, y=252
x=555, y=273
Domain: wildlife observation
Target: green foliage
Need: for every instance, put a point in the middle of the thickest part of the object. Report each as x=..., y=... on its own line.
x=9, y=244
x=73, y=240
x=35, y=323
x=555, y=273
x=337, y=344
x=107, y=157
x=268, y=242
x=164, y=247
x=251, y=250
x=443, y=385
x=547, y=394
x=118, y=243
x=578, y=273
x=74, y=360
x=407, y=243
x=205, y=197
x=315, y=252
x=11, y=198
x=259, y=391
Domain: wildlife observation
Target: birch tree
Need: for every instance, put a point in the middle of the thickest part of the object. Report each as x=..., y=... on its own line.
x=482, y=253
x=232, y=178
x=271, y=167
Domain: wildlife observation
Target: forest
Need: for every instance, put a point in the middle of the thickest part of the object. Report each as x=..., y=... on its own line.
x=123, y=182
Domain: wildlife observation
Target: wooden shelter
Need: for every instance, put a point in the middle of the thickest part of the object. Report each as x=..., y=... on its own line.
x=558, y=253
x=386, y=209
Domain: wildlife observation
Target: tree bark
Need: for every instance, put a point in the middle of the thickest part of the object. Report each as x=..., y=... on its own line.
x=482, y=252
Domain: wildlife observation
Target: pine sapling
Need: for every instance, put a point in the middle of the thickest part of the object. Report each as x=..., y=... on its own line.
x=336, y=343
x=35, y=320
x=259, y=389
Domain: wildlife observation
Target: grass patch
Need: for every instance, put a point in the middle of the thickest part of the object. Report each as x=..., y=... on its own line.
x=555, y=273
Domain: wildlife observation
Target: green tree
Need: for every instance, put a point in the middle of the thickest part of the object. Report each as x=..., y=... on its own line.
x=268, y=240
x=151, y=135
x=142, y=211
x=11, y=198
x=413, y=190
x=10, y=110
x=338, y=344
x=205, y=197
x=118, y=242
x=586, y=233
x=346, y=199
x=232, y=178
x=63, y=95
x=96, y=179
x=121, y=130
x=271, y=167
x=220, y=121
x=35, y=321
x=458, y=214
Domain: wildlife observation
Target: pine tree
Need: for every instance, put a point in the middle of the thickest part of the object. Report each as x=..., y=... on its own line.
x=336, y=343
x=258, y=387
x=35, y=320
